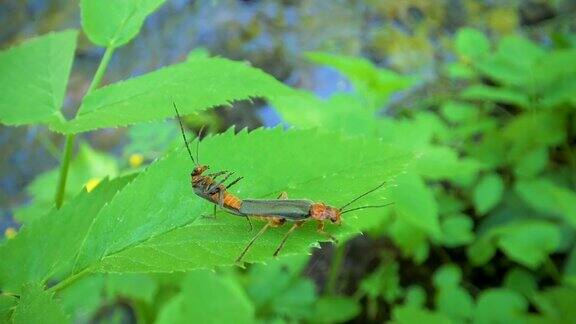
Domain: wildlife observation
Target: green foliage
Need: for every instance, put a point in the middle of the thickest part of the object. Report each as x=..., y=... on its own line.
x=488, y=193
x=547, y=197
x=500, y=305
x=374, y=85
x=471, y=44
x=415, y=204
x=481, y=181
x=34, y=78
x=207, y=298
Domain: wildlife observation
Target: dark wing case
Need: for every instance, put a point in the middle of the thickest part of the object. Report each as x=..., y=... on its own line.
x=293, y=209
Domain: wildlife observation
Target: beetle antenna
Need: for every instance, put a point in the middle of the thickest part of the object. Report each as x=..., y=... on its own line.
x=364, y=194
x=365, y=207
x=183, y=133
x=198, y=143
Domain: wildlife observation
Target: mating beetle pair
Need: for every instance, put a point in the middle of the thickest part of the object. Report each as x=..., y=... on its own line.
x=275, y=212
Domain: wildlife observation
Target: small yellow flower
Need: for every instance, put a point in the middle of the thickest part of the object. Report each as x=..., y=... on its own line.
x=10, y=233
x=135, y=160
x=92, y=183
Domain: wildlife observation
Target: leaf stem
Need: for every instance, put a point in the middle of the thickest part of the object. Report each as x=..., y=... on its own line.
x=70, y=280
x=69, y=144
x=66, y=158
x=101, y=69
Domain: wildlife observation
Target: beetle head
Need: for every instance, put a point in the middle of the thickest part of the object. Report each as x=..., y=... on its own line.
x=321, y=212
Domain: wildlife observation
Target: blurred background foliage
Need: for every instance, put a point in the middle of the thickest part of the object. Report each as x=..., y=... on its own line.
x=482, y=91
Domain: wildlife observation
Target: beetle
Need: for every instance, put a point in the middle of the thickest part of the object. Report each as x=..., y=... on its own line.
x=206, y=186
x=276, y=212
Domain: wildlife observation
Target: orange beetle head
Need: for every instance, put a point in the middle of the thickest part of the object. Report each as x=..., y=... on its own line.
x=199, y=169
x=321, y=212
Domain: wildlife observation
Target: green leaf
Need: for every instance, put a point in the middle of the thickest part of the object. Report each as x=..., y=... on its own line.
x=199, y=243
x=471, y=43
x=481, y=251
x=34, y=77
x=520, y=50
x=335, y=309
x=375, y=85
x=456, y=303
x=447, y=276
x=134, y=286
x=457, y=230
x=415, y=296
x=500, y=306
x=340, y=112
x=548, y=126
x=515, y=63
x=529, y=242
x=278, y=288
x=111, y=23
x=532, y=163
x=26, y=258
x=488, y=193
x=208, y=298
x=457, y=112
x=459, y=70
x=547, y=197
x=38, y=306
x=521, y=281
x=155, y=222
x=441, y=162
x=194, y=86
x=414, y=202
x=497, y=95
x=410, y=314
x=385, y=282
x=151, y=139
x=411, y=239
x=557, y=304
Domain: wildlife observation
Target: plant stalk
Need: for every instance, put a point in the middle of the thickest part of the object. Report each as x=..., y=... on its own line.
x=335, y=266
x=69, y=144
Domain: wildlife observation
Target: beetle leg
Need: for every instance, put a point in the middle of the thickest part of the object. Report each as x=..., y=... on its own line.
x=321, y=230
x=233, y=182
x=254, y=238
x=215, y=174
x=295, y=226
x=218, y=184
x=213, y=216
